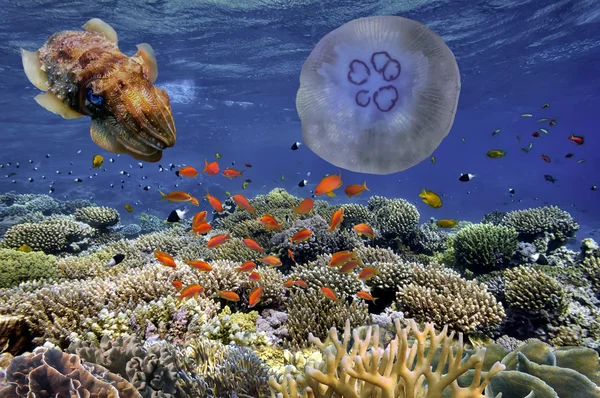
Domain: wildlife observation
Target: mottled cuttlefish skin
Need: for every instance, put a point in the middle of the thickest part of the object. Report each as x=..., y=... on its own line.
x=91, y=76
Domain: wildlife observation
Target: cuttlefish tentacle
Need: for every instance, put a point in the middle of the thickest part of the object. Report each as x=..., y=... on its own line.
x=85, y=73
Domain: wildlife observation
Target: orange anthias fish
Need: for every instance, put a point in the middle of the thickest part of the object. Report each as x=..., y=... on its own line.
x=232, y=173
x=200, y=265
x=366, y=296
x=336, y=219
x=288, y=283
x=192, y=290
x=211, y=168
x=255, y=276
x=248, y=266
x=228, y=295
x=269, y=222
x=177, y=284
x=217, y=240
x=301, y=236
x=254, y=297
x=177, y=196
x=271, y=260
x=364, y=229
x=301, y=283
x=164, y=258
x=291, y=255
x=356, y=189
x=214, y=202
x=202, y=229
x=327, y=292
x=243, y=202
x=349, y=266
x=187, y=171
x=194, y=201
x=367, y=273
x=304, y=207
x=341, y=257
x=252, y=244
x=199, y=218
x=328, y=184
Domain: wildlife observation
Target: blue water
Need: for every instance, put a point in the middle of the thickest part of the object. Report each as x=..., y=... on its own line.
x=232, y=69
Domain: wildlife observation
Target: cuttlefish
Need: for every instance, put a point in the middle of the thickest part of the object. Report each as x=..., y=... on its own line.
x=83, y=73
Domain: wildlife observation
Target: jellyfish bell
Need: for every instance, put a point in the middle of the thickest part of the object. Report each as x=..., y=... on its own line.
x=378, y=95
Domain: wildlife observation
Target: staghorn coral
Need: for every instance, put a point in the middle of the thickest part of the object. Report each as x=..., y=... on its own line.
x=17, y=267
x=483, y=248
x=546, y=227
x=50, y=236
x=441, y=296
x=50, y=372
x=395, y=218
x=323, y=314
x=354, y=370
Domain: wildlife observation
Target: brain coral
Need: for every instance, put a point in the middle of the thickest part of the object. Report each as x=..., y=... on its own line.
x=483, y=248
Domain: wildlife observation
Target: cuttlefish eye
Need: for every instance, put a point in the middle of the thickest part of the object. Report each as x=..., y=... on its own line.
x=93, y=98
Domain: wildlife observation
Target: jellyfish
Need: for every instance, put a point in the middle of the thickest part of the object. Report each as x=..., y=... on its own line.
x=378, y=95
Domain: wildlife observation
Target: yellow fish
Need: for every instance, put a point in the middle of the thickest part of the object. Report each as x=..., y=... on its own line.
x=25, y=249
x=245, y=184
x=446, y=223
x=128, y=207
x=495, y=153
x=431, y=198
x=97, y=161
x=433, y=159
x=218, y=155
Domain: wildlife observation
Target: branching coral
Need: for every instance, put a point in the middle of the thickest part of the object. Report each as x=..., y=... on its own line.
x=395, y=218
x=51, y=236
x=97, y=216
x=17, y=266
x=483, y=248
x=533, y=291
x=366, y=368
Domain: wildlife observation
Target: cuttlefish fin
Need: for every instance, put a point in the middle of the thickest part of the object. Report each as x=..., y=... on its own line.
x=146, y=53
x=33, y=69
x=101, y=135
x=51, y=103
x=99, y=26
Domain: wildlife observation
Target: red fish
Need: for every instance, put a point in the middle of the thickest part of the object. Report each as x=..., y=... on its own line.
x=252, y=245
x=248, y=266
x=304, y=207
x=228, y=295
x=301, y=236
x=341, y=257
x=254, y=297
x=545, y=158
x=328, y=184
x=288, y=283
x=301, y=283
x=367, y=273
x=177, y=196
x=366, y=296
x=355, y=189
x=349, y=266
x=536, y=134
x=255, y=276
x=232, y=173
x=214, y=202
x=164, y=258
x=336, y=219
x=243, y=202
x=189, y=291
x=194, y=201
x=199, y=218
x=187, y=171
x=291, y=255
x=364, y=229
x=177, y=284
x=202, y=229
x=578, y=139
x=200, y=265
x=327, y=292
x=211, y=168
x=271, y=260
x=269, y=222
x=217, y=240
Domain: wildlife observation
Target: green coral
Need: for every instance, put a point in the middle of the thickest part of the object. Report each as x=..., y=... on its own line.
x=17, y=267
x=591, y=266
x=97, y=216
x=234, y=328
x=483, y=248
x=532, y=290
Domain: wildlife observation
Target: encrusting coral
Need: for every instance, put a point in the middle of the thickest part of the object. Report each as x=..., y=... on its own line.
x=366, y=368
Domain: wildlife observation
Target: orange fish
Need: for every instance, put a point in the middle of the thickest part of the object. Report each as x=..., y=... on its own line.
x=228, y=295
x=336, y=219
x=178, y=285
x=187, y=171
x=177, y=196
x=269, y=222
x=164, y=258
x=199, y=218
x=341, y=257
x=254, y=276
x=254, y=297
x=248, y=266
x=217, y=240
x=304, y=207
x=189, y=291
x=301, y=236
x=211, y=168
x=199, y=265
x=214, y=202
x=243, y=202
x=251, y=244
x=364, y=229
x=349, y=266
x=271, y=260
x=194, y=201
x=367, y=273
x=327, y=292
x=291, y=255
x=202, y=229
x=232, y=173
x=301, y=283
x=356, y=189
x=366, y=296
x=288, y=283
x=328, y=184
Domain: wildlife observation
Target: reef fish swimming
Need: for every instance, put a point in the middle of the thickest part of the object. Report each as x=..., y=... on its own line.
x=84, y=73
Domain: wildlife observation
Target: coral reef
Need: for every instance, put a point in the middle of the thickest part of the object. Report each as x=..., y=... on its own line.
x=50, y=236
x=484, y=247
x=394, y=218
x=17, y=267
x=97, y=216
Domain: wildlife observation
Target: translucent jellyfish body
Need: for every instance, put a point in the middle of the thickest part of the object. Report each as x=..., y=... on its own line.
x=378, y=95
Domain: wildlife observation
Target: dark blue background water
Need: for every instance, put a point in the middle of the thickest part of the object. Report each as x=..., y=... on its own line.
x=232, y=69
